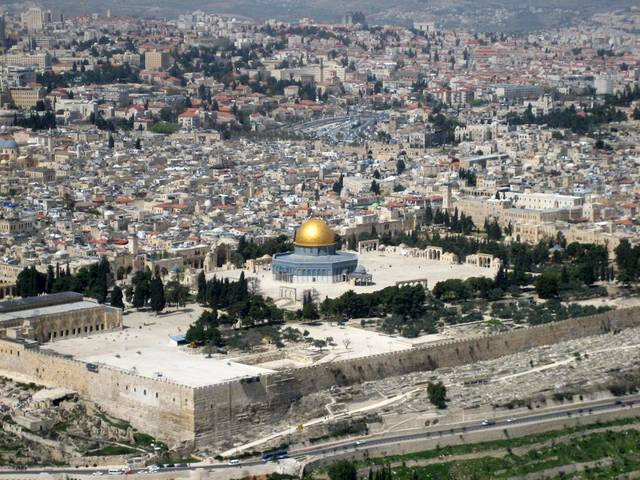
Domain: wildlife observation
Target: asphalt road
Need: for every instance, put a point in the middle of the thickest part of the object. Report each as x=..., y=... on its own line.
x=573, y=411
x=591, y=408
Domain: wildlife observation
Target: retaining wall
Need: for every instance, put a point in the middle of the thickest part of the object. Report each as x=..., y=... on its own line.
x=206, y=415
x=227, y=409
x=455, y=352
x=155, y=406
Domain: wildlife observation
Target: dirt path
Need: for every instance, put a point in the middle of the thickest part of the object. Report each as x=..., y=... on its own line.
x=315, y=421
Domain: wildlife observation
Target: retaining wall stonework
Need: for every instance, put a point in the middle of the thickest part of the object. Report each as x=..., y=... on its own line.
x=271, y=396
x=155, y=406
x=205, y=415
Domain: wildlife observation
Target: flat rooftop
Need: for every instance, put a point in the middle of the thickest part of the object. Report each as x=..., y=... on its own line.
x=29, y=303
x=49, y=310
x=143, y=346
x=177, y=365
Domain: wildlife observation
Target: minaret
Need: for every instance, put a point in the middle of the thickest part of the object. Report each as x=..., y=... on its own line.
x=133, y=244
x=446, y=197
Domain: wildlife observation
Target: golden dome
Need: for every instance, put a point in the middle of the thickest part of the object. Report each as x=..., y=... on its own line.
x=314, y=233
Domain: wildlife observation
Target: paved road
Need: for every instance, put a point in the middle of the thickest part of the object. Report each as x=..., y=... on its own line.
x=591, y=408
x=585, y=409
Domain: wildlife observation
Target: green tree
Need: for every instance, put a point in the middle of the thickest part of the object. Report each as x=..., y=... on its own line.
x=309, y=308
x=342, y=470
x=375, y=188
x=202, y=287
x=547, y=285
x=165, y=128
x=50, y=279
x=30, y=282
x=502, y=279
x=116, y=298
x=101, y=287
x=437, y=393
x=176, y=293
x=205, y=330
x=452, y=289
x=27, y=282
x=352, y=242
x=337, y=186
x=111, y=142
x=627, y=261
x=428, y=214
x=157, y=300
x=140, y=283
x=494, y=232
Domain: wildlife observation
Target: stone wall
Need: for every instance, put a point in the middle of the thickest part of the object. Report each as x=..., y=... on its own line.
x=216, y=413
x=155, y=406
x=63, y=324
x=54, y=445
x=226, y=410
x=103, y=461
x=455, y=352
x=75, y=323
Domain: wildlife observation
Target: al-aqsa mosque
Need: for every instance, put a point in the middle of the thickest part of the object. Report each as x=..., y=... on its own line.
x=315, y=258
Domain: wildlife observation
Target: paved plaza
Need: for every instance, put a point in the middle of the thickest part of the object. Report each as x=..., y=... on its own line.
x=143, y=348
x=386, y=268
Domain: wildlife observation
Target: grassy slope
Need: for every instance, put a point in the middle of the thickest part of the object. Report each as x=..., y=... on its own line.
x=613, y=446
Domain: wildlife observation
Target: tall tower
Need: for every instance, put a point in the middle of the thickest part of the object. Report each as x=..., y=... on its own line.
x=133, y=244
x=33, y=19
x=50, y=142
x=3, y=33
x=445, y=190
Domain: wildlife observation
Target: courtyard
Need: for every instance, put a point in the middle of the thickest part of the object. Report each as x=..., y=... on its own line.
x=387, y=269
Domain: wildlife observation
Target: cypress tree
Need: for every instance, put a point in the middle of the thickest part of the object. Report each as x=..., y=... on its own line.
x=140, y=290
x=202, y=288
x=502, y=281
x=50, y=278
x=157, y=299
x=116, y=298
x=104, y=272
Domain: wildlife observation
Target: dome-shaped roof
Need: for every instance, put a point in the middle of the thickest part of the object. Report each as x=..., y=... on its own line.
x=314, y=233
x=360, y=270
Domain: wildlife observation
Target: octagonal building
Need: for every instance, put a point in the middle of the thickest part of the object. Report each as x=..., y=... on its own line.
x=314, y=258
